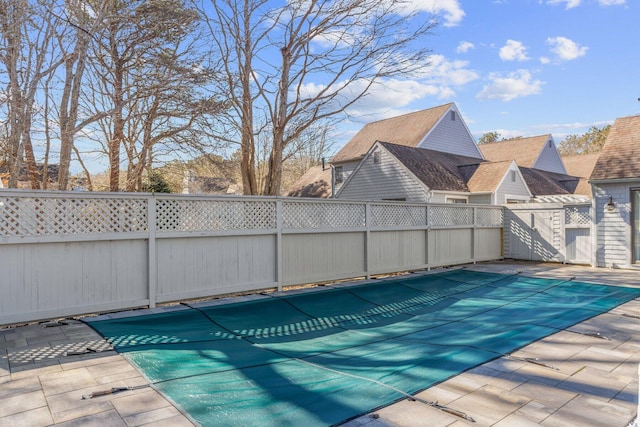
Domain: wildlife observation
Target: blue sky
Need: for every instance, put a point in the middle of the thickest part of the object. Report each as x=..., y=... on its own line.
x=523, y=67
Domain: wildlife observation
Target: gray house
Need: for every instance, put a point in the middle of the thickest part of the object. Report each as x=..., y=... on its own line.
x=430, y=156
x=615, y=182
x=439, y=129
x=535, y=152
x=397, y=172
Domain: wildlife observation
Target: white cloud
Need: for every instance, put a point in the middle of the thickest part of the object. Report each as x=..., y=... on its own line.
x=439, y=80
x=544, y=60
x=443, y=72
x=569, y=4
x=507, y=88
x=611, y=2
x=387, y=98
x=465, y=46
x=566, y=49
x=513, y=51
x=451, y=9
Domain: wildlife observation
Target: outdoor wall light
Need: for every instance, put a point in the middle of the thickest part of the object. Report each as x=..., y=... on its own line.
x=610, y=205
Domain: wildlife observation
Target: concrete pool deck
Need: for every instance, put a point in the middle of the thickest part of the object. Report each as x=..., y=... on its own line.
x=580, y=378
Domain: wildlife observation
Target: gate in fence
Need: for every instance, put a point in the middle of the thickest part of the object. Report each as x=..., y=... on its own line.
x=548, y=232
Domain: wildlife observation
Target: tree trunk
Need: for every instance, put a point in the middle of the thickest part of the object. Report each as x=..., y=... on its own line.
x=274, y=174
x=247, y=145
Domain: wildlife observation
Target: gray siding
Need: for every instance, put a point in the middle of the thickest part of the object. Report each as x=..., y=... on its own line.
x=613, y=228
x=511, y=188
x=347, y=170
x=386, y=180
x=451, y=136
x=550, y=160
x=480, y=199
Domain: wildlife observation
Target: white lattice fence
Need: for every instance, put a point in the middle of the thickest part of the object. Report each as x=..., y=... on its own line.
x=489, y=217
x=398, y=216
x=447, y=216
x=58, y=216
x=212, y=215
x=577, y=215
x=322, y=215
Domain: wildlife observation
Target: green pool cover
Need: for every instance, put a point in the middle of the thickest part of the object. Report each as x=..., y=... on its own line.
x=323, y=357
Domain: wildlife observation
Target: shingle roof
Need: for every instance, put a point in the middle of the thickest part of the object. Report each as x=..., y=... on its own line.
x=581, y=165
x=314, y=183
x=487, y=176
x=451, y=172
x=437, y=170
x=620, y=157
x=543, y=183
x=407, y=130
x=525, y=151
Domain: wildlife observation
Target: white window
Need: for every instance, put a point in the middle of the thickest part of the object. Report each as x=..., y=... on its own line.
x=339, y=176
x=377, y=157
x=453, y=116
x=456, y=200
x=513, y=176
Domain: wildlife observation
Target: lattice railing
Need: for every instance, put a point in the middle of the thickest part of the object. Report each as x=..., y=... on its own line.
x=442, y=216
x=323, y=215
x=577, y=215
x=398, y=216
x=489, y=217
x=53, y=216
x=211, y=215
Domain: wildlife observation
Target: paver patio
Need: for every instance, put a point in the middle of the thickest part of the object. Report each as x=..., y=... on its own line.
x=583, y=378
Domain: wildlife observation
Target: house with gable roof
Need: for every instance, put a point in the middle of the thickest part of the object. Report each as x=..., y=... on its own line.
x=440, y=148
x=535, y=152
x=615, y=182
x=439, y=129
x=396, y=172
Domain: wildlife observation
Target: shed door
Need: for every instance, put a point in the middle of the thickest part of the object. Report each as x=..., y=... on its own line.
x=532, y=236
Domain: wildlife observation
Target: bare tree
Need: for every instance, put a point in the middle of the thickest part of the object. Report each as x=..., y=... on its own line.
x=26, y=30
x=148, y=73
x=287, y=68
x=81, y=22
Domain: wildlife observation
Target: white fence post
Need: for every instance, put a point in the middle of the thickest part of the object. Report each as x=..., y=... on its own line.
x=367, y=239
x=474, y=233
x=279, y=221
x=152, y=261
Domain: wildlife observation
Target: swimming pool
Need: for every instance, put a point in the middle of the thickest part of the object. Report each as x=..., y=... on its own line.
x=324, y=356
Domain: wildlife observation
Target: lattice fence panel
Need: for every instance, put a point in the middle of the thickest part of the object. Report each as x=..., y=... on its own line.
x=577, y=215
x=52, y=216
x=448, y=216
x=323, y=215
x=212, y=215
x=398, y=215
x=489, y=217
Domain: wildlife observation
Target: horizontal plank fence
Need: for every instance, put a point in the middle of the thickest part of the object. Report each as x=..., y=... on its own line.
x=68, y=253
